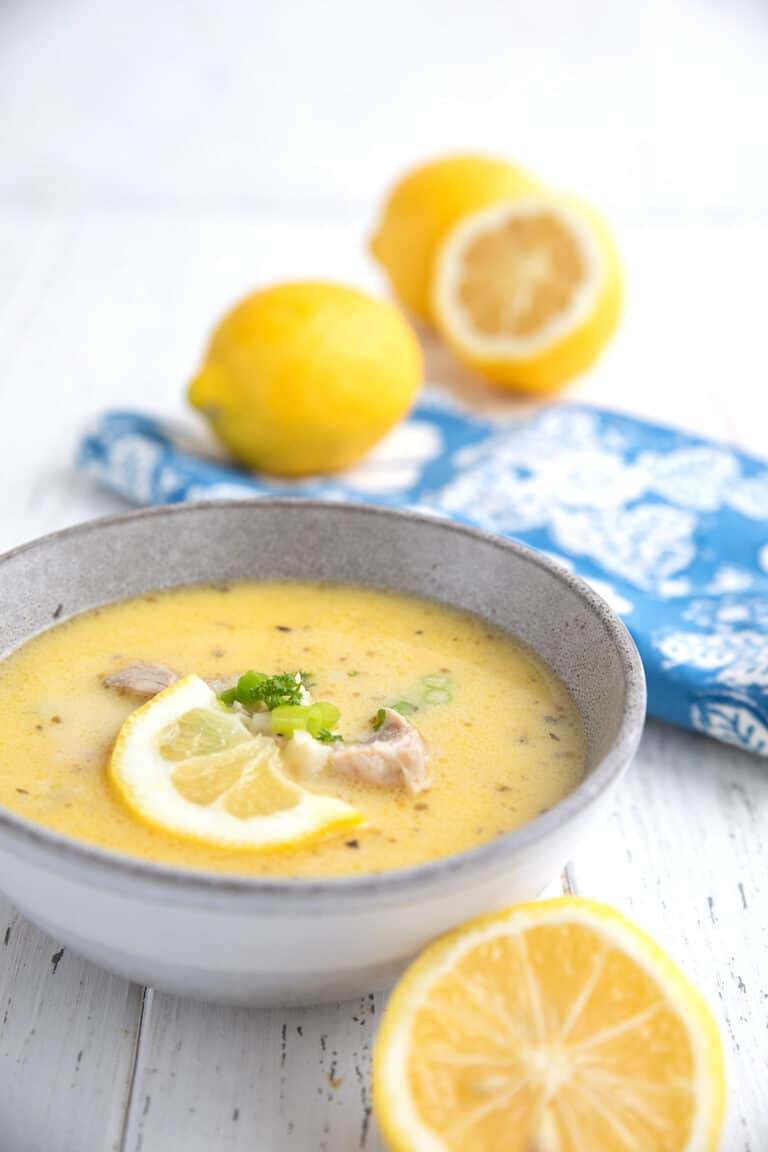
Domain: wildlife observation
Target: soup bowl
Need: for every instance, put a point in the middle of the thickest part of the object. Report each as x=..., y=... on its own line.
x=242, y=939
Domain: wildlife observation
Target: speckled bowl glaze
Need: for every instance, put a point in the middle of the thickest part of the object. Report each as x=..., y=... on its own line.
x=252, y=940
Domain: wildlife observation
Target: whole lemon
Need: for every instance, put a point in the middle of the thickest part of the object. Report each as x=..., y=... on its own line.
x=425, y=204
x=306, y=377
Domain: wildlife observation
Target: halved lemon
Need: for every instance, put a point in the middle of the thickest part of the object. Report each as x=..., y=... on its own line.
x=553, y=1027
x=187, y=765
x=528, y=293
x=424, y=205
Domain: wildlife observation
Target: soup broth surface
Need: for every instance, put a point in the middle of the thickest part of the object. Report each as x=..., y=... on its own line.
x=505, y=746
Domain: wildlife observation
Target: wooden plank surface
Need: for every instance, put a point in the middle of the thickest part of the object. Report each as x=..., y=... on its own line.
x=684, y=854
x=248, y=1079
x=287, y=1080
x=68, y=1034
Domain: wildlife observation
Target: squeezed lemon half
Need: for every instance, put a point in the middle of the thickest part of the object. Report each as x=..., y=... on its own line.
x=553, y=1027
x=187, y=765
x=528, y=293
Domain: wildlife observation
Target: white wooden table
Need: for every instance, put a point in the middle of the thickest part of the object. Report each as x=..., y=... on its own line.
x=155, y=162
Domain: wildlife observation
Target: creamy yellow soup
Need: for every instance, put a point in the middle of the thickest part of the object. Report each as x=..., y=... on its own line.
x=505, y=739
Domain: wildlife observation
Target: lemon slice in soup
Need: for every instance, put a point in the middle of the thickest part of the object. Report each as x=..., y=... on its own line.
x=185, y=764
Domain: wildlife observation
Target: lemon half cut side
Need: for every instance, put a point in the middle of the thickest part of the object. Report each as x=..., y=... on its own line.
x=425, y=204
x=528, y=293
x=556, y=1026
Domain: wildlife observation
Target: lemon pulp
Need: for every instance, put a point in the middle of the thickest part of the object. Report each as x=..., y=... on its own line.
x=528, y=293
x=422, y=208
x=552, y=1027
x=185, y=765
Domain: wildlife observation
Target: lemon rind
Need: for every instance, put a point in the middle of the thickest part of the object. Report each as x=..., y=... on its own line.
x=313, y=817
x=395, y=1110
x=560, y=326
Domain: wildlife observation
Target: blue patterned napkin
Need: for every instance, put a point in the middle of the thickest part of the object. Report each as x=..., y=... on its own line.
x=671, y=529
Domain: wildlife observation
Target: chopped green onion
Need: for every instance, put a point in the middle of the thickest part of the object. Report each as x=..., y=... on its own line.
x=378, y=719
x=329, y=713
x=321, y=715
x=315, y=722
x=249, y=687
x=436, y=680
x=312, y=718
x=405, y=708
x=436, y=696
x=288, y=718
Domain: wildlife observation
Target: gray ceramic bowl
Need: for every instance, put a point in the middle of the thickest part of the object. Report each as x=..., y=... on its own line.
x=252, y=940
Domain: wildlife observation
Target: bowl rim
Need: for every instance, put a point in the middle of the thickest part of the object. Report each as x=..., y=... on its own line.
x=167, y=883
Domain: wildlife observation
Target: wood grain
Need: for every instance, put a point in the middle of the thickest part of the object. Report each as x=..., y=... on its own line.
x=684, y=855
x=67, y=1042
x=250, y=1079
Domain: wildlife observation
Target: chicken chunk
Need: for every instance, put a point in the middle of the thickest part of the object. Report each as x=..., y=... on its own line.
x=393, y=755
x=144, y=680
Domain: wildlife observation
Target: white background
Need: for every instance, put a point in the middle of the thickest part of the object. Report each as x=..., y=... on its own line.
x=157, y=160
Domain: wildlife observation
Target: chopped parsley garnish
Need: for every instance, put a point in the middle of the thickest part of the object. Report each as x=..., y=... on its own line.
x=255, y=688
x=378, y=719
x=282, y=695
x=325, y=736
